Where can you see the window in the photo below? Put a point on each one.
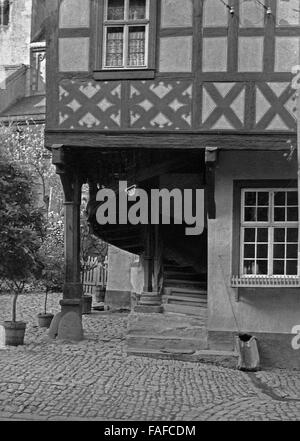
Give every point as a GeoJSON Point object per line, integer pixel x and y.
{"type": "Point", "coordinates": [126, 34]}
{"type": "Point", "coordinates": [269, 232]}
{"type": "Point", "coordinates": [4, 12]}
{"type": "Point", "coordinates": [38, 70]}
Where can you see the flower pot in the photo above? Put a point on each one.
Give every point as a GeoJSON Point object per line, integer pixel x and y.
{"type": "Point", "coordinates": [44, 320]}
{"type": "Point", "coordinates": [87, 304]}
{"type": "Point", "coordinates": [14, 333]}
{"type": "Point", "coordinates": [100, 294]}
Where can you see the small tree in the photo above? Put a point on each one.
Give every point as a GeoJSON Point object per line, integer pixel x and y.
{"type": "Point", "coordinates": [22, 228]}
{"type": "Point", "coordinates": [52, 256]}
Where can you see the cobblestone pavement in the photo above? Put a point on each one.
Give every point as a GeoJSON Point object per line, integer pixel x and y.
{"type": "Point", "coordinates": [93, 379]}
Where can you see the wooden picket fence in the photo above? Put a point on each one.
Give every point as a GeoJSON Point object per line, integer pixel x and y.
{"type": "Point", "coordinates": [94, 274]}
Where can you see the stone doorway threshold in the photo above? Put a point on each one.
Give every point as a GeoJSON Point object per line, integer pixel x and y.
{"type": "Point", "coordinates": [174, 336]}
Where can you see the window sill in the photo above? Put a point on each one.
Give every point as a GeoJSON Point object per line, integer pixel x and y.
{"type": "Point", "coordinates": [265, 282]}
{"type": "Point", "coordinates": [142, 74]}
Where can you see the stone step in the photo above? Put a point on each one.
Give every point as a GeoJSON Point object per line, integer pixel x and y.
{"type": "Point", "coordinates": [165, 343]}
{"type": "Point", "coordinates": [185, 283]}
{"type": "Point", "coordinates": [184, 309]}
{"type": "Point", "coordinates": [185, 291]}
{"type": "Point", "coordinates": [193, 299]}
{"type": "Point", "coordinates": [226, 359]}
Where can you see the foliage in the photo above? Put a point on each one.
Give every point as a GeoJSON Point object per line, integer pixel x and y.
{"type": "Point", "coordinates": [90, 245]}
{"type": "Point", "coordinates": [25, 144]}
{"type": "Point", "coordinates": [22, 227]}
{"type": "Point", "coordinates": [52, 257]}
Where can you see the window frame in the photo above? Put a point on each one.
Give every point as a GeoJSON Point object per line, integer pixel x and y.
{"type": "Point", "coordinates": [132, 72]}
{"type": "Point", "coordinates": [236, 256]}
{"type": "Point", "coordinates": [125, 23]}
{"type": "Point", "coordinates": [271, 225]}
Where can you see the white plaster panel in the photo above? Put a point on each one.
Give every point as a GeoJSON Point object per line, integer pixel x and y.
{"type": "Point", "coordinates": [74, 54]}
{"type": "Point", "coordinates": [287, 50]}
{"type": "Point", "coordinates": [176, 54]}
{"type": "Point", "coordinates": [74, 14]}
{"type": "Point", "coordinates": [251, 54]}
{"type": "Point", "coordinates": [176, 13]}
{"type": "Point", "coordinates": [215, 54]}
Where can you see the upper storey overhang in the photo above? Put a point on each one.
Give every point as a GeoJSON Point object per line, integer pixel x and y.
{"type": "Point", "coordinates": [182, 68]}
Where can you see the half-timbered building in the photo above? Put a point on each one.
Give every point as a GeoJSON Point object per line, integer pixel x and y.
{"type": "Point", "coordinates": [184, 94]}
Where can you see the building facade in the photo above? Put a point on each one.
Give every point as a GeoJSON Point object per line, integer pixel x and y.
{"type": "Point", "coordinates": [177, 95]}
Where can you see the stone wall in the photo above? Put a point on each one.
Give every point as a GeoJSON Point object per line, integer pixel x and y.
{"type": "Point", "coordinates": [15, 38]}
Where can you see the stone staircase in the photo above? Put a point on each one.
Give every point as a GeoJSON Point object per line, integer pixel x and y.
{"type": "Point", "coordinates": [173, 336]}
{"type": "Point", "coordinates": [184, 289]}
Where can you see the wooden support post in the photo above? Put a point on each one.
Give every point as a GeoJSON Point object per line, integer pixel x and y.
{"type": "Point", "coordinates": [150, 301]}
{"type": "Point", "coordinates": [211, 154]}
{"type": "Point", "coordinates": [148, 259]}
{"type": "Point", "coordinates": [69, 323]}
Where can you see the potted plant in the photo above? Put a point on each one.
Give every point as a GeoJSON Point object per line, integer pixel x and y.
{"type": "Point", "coordinates": [45, 318]}
{"type": "Point", "coordinates": [22, 229]}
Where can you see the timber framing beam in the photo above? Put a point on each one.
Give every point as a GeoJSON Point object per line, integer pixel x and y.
{"type": "Point", "coordinates": [170, 140]}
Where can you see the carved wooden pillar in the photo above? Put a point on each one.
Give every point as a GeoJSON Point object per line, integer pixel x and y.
{"type": "Point", "coordinates": [69, 326]}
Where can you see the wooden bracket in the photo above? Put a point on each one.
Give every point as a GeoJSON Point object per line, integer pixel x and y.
{"type": "Point", "coordinates": [211, 156]}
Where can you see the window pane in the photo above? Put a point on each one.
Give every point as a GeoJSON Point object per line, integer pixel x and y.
{"type": "Point", "coordinates": [278, 267]}
{"type": "Point", "coordinates": [292, 235]}
{"type": "Point", "coordinates": [292, 251]}
{"type": "Point", "coordinates": [249, 267]}
{"type": "Point", "coordinates": [215, 13]}
{"type": "Point", "coordinates": [288, 12]}
{"type": "Point", "coordinates": [279, 251]}
{"type": "Point", "coordinates": [292, 214]}
{"type": "Point", "coordinates": [262, 235]}
{"type": "Point", "coordinates": [262, 267]}
{"type": "Point", "coordinates": [279, 235]}
{"type": "Point", "coordinates": [136, 50]}
{"type": "Point", "coordinates": [250, 197]}
{"type": "Point", "coordinates": [249, 251]}
{"type": "Point", "coordinates": [279, 198]}
{"type": "Point", "coordinates": [279, 214]}
{"type": "Point", "coordinates": [262, 214]}
{"type": "Point", "coordinates": [114, 47]}
{"type": "Point", "coordinates": [250, 214]}
{"type": "Point", "coordinates": [115, 10]}
{"type": "Point", "coordinates": [292, 198]}
{"type": "Point", "coordinates": [263, 198]}
{"type": "Point", "coordinates": [137, 9]}
{"type": "Point", "coordinates": [262, 251]}
{"type": "Point", "coordinates": [249, 235]}
{"type": "Point", "coordinates": [251, 14]}
{"type": "Point", "coordinates": [291, 267]}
